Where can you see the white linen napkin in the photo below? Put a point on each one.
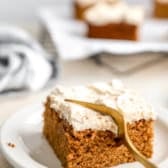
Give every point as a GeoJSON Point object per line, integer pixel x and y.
{"type": "Point", "coordinates": [23, 62]}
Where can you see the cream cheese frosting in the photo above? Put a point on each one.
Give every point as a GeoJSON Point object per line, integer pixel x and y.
{"type": "Point", "coordinates": [112, 94]}
{"type": "Point", "coordinates": [104, 13]}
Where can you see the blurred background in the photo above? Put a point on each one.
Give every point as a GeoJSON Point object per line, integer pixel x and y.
{"type": "Point", "coordinates": [23, 11]}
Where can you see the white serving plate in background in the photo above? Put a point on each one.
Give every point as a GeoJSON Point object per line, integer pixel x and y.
{"type": "Point", "coordinates": [24, 129]}
{"type": "Point", "coordinates": [69, 38]}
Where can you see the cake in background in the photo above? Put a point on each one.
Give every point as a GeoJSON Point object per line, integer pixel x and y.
{"type": "Point", "coordinates": [161, 8]}
{"type": "Point", "coordinates": [83, 138]}
{"type": "Point", "coordinates": [80, 6]}
{"type": "Point", "coordinates": [114, 21]}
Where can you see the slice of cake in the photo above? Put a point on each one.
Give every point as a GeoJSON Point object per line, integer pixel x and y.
{"type": "Point", "coordinates": [80, 6]}
{"type": "Point", "coordinates": [114, 21]}
{"type": "Point", "coordinates": [161, 8]}
{"type": "Point", "coordinates": [82, 138]}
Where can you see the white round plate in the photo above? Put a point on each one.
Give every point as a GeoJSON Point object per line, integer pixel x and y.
{"type": "Point", "coordinates": [24, 130]}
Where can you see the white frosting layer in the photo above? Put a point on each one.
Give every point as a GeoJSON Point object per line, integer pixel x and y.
{"type": "Point", "coordinates": [112, 94]}
{"type": "Point", "coordinates": [103, 13]}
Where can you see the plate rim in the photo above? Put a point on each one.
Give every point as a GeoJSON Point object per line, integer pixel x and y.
{"type": "Point", "coordinates": [5, 126]}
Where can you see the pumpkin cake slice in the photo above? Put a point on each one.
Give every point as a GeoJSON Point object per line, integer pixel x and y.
{"type": "Point", "coordinates": [82, 138]}
{"type": "Point", "coordinates": [114, 21]}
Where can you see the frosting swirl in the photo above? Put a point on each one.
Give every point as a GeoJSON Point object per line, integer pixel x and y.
{"type": "Point", "coordinates": [112, 94]}
{"type": "Point", "coordinates": [105, 13]}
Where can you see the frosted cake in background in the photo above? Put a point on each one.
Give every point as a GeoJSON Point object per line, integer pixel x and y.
{"type": "Point", "coordinates": [117, 21]}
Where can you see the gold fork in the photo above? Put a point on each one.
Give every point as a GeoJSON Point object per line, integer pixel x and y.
{"type": "Point", "coordinates": [122, 129]}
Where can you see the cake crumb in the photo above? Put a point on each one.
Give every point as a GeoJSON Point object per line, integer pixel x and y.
{"type": "Point", "coordinates": [11, 145]}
